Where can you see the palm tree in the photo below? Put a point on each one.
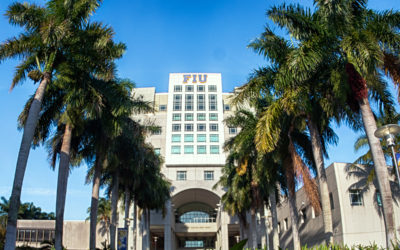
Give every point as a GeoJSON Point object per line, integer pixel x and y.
{"type": "Point", "coordinates": [103, 217]}
{"type": "Point", "coordinates": [113, 122]}
{"type": "Point", "coordinates": [45, 44]}
{"type": "Point", "coordinates": [362, 41]}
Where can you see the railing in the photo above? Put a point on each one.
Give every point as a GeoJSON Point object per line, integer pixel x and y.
{"type": "Point", "coordinates": [197, 220]}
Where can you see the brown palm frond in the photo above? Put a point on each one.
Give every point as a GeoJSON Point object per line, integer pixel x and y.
{"type": "Point", "coordinates": [391, 66]}
{"type": "Point", "coordinates": [303, 175]}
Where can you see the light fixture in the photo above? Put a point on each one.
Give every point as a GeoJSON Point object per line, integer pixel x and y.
{"type": "Point", "coordinates": [388, 133]}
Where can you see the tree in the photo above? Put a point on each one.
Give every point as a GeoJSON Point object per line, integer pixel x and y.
{"type": "Point", "coordinates": [103, 217]}
{"type": "Point", "coordinates": [44, 46]}
{"type": "Point", "coordinates": [280, 131]}
{"type": "Point", "coordinates": [113, 121]}
{"type": "Point", "coordinates": [363, 42]}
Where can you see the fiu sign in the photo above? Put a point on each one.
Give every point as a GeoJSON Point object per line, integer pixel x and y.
{"type": "Point", "coordinates": [195, 78]}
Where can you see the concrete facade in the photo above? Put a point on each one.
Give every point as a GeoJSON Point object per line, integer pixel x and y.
{"type": "Point", "coordinates": [76, 233]}
{"type": "Point", "coordinates": [356, 213]}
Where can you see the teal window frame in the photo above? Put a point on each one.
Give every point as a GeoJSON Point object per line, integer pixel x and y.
{"type": "Point", "coordinates": [176, 117]}
{"type": "Point", "coordinates": [176, 150]}
{"type": "Point", "coordinates": [214, 149]}
{"type": "Point", "coordinates": [188, 138]}
{"type": "Point", "coordinates": [176, 138]}
{"type": "Point", "coordinates": [214, 138]}
{"type": "Point", "coordinates": [201, 116]}
{"type": "Point", "coordinates": [188, 149]}
{"type": "Point", "coordinates": [201, 136]}
{"type": "Point", "coordinates": [213, 117]}
{"type": "Point", "coordinates": [201, 149]}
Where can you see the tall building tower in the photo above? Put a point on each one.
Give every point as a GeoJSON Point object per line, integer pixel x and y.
{"type": "Point", "coordinates": [190, 138]}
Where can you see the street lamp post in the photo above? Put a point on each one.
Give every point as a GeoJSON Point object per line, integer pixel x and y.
{"type": "Point", "coordinates": [388, 132]}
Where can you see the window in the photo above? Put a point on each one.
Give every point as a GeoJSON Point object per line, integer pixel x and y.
{"type": "Point", "coordinates": [157, 151]}
{"type": "Point", "coordinates": [232, 131]}
{"type": "Point", "coordinates": [331, 200]}
{"type": "Point", "coordinates": [201, 149]}
{"type": "Point", "coordinates": [378, 198]}
{"type": "Point", "coordinates": [200, 88]}
{"type": "Point", "coordinates": [178, 88]}
{"type": "Point", "coordinates": [188, 138]}
{"type": "Point", "coordinates": [181, 175]}
{"type": "Point", "coordinates": [189, 102]}
{"type": "Point", "coordinates": [176, 138]}
{"type": "Point", "coordinates": [214, 138]}
{"type": "Point", "coordinates": [213, 117]}
{"type": "Point", "coordinates": [212, 88]}
{"type": "Point", "coordinates": [189, 117]}
{"type": "Point", "coordinates": [214, 149]}
{"type": "Point", "coordinates": [201, 127]}
{"type": "Point", "coordinates": [201, 138]}
{"type": "Point", "coordinates": [201, 102]}
{"type": "Point", "coordinates": [176, 117]}
{"type": "Point", "coordinates": [156, 131]}
{"type": "Point", "coordinates": [175, 149]}
{"type": "Point", "coordinates": [188, 149]}
{"type": "Point", "coordinates": [189, 127]}
{"type": "Point", "coordinates": [213, 127]}
{"type": "Point", "coordinates": [162, 107]}
{"type": "Point", "coordinates": [176, 127]}
{"type": "Point", "coordinates": [35, 235]}
{"type": "Point", "coordinates": [303, 215]}
{"type": "Point", "coordinates": [212, 102]}
{"type": "Point", "coordinates": [355, 197]}
{"type": "Point", "coordinates": [208, 175]}
{"type": "Point", "coordinates": [201, 117]}
{"type": "Point", "coordinates": [227, 107]}
{"type": "Point", "coordinates": [189, 88]}
{"type": "Point", "coordinates": [285, 224]}
{"type": "Point", "coordinates": [177, 102]}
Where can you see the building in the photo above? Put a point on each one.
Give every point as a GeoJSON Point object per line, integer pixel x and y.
{"type": "Point", "coordinates": [356, 210]}
{"type": "Point", "coordinates": [190, 138]}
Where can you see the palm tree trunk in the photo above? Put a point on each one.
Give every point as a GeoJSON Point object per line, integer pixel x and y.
{"type": "Point", "coordinates": [134, 225]}
{"type": "Point", "coordinates": [95, 200]}
{"type": "Point", "coordinates": [114, 208]}
{"type": "Point", "coordinates": [23, 154]}
{"type": "Point", "coordinates": [146, 231]}
{"type": "Point", "coordinates": [381, 170]}
{"type": "Point", "coordinates": [127, 206]}
{"type": "Point", "coordinates": [274, 214]}
{"type": "Point", "coordinates": [294, 218]}
{"type": "Point", "coordinates": [63, 171]}
{"type": "Point", "coordinates": [253, 227]}
{"type": "Point", "coordinates": [264, 229]}
{"type": "Point", "coordinates": [322, 182]}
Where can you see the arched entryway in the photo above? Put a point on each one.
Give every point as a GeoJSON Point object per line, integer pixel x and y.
{"type": "Point", "coordinates": [195, 212]}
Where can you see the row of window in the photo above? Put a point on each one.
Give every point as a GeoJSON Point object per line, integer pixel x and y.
{"type": "Point", "coordinates": [200, 105]}
{"type": "Point", "coordinates": [34, 235]}
{"type": "Point", "coordinates": [356, 199]}
{"type": "Point", "coordinates": [200, 138]}
{"type": "Point", "coordinates": [200, 127]}
{"type": "Point", "coordinates": [189, 127]}
{"type": "Point", "coordinates": [190, 117]}
{"type": "Point", "coordinates": [200, 88]}
{"type": "Point", "coordinates": [181, 175]}
{"type": "Point", "coordinates": [189, 149]}
{"type": "Point", "coordinates": [189, 102]}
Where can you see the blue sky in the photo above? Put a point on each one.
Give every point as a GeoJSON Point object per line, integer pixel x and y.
{"type": "Point", "coordinates": [162, 37]}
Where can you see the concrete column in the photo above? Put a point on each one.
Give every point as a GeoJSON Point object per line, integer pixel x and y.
{"type": "Point", "coordinates": [224, 231]}
{"type": "Point", "coordinates": [167, 227]}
